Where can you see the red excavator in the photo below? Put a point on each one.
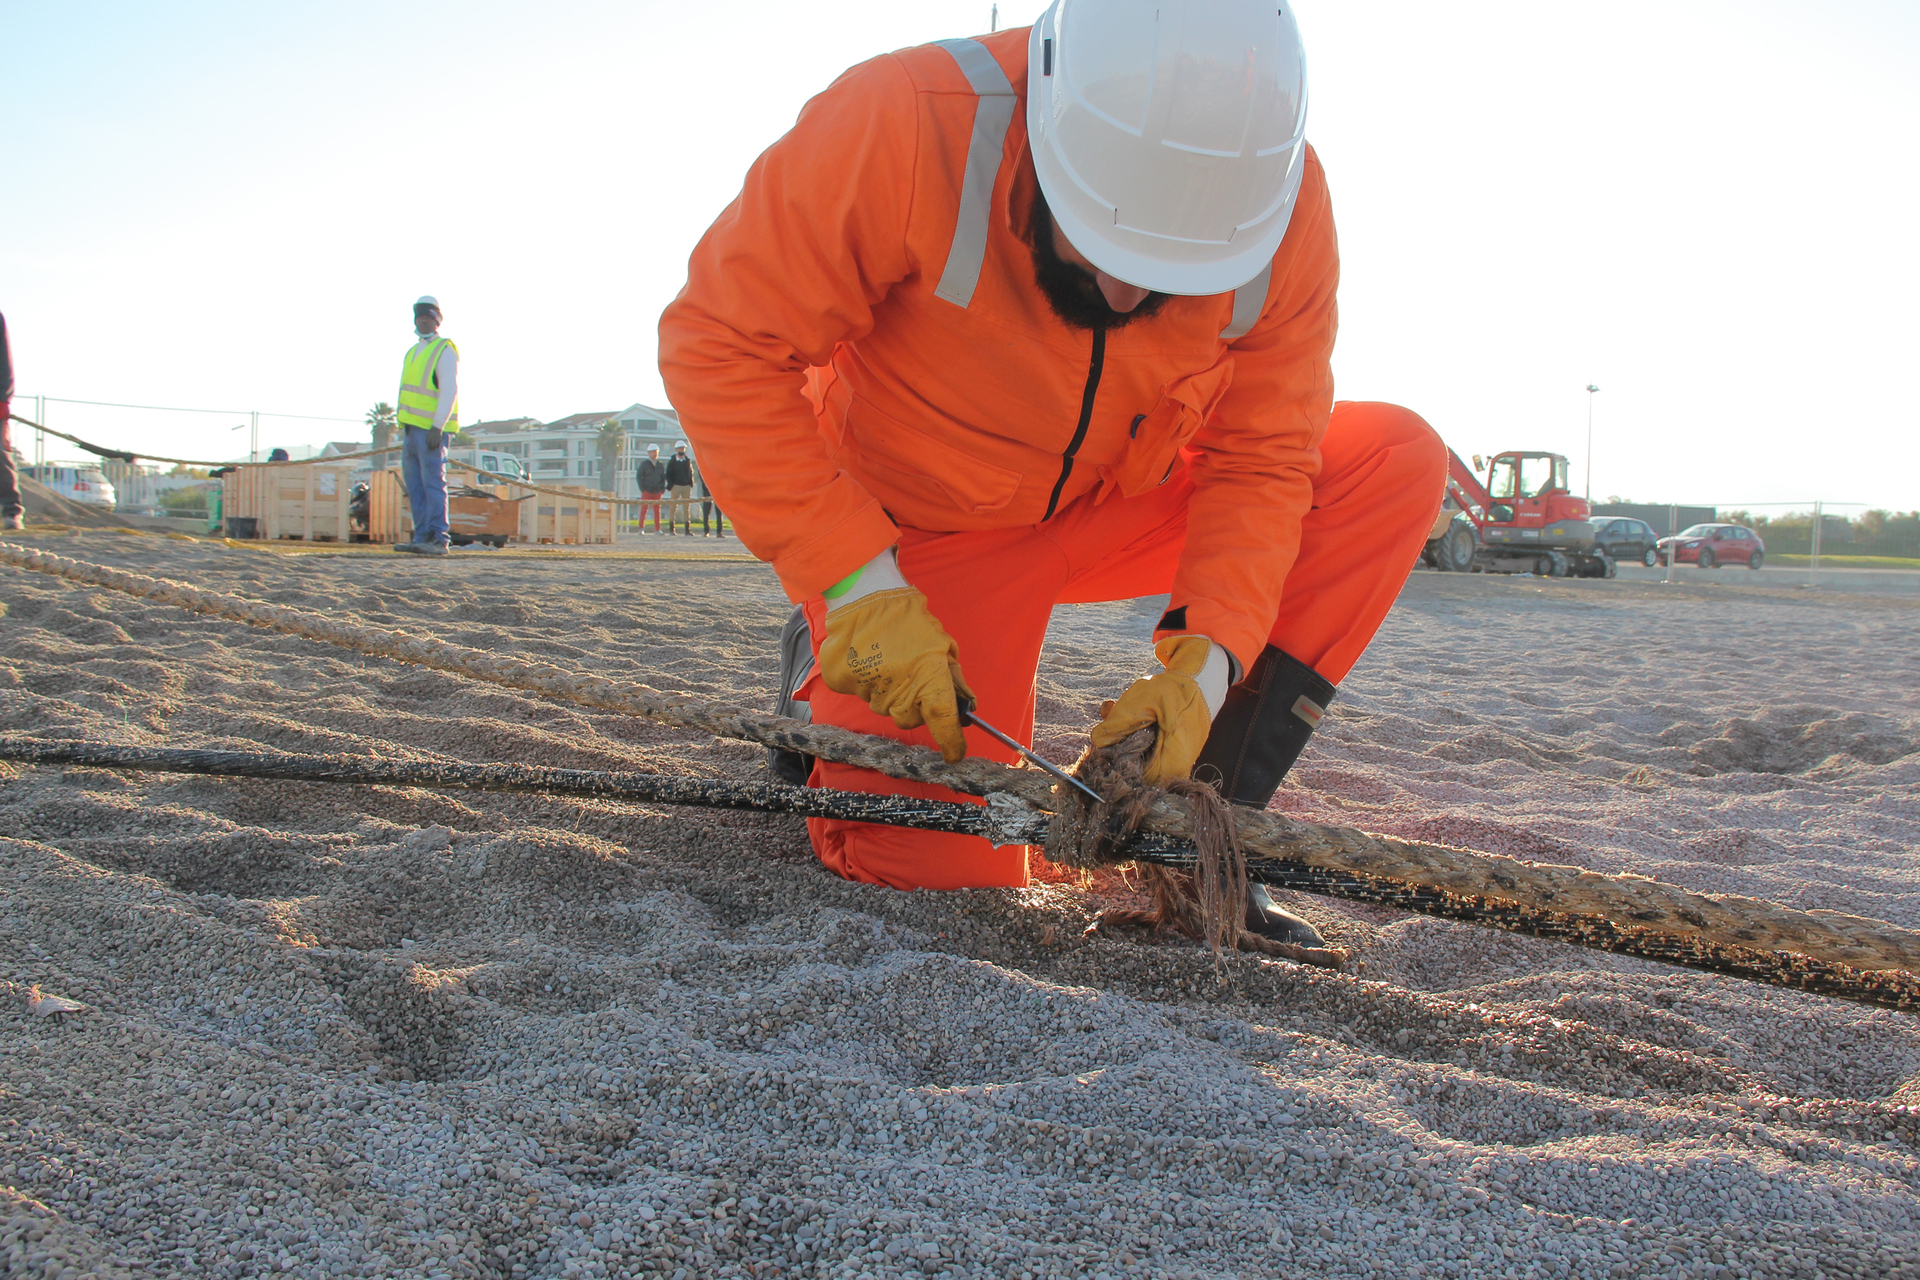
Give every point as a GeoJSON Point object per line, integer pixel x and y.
{"type": "Point", "coordinates": [1524, 519]}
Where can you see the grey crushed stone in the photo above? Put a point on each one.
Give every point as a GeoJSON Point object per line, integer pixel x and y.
{"type": "Point", "coordinates": [377, 1032]}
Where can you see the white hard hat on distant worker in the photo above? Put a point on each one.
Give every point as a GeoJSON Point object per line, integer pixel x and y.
{"type": "Point", "coordinates": [427, 300]}
{"type": "Point", "coordinates": [1169, 136]}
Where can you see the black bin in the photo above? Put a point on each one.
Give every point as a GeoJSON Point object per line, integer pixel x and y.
{"type": "Point", "coordinates": [243, 527]}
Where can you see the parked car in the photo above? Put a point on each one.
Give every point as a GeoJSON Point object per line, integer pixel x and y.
{"type": "Point", "coordinates": [1629, 541]}
{"type": "Point", "coordinates": [88, 486]}
{"type": "Point", "coordinates": [1712, 545]}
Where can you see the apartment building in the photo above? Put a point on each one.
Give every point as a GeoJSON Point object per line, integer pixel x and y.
{"type": "Point", "coordinates": [569, 450]}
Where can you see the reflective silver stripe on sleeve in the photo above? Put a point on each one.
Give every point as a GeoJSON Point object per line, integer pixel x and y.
{"type": "Point", "coordinates": [992, 117]}
{"type": "Point", "coordinates": [1249, 300]}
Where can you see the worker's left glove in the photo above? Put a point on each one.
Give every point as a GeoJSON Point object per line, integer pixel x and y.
{"type": "Point", "coordinates": [885, 646]}
{"type": "Point", "coordinates": [1181, 700]}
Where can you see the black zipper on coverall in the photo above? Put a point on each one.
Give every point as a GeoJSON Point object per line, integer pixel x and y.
{"type": "Point", "coordinates": [1086, 416]}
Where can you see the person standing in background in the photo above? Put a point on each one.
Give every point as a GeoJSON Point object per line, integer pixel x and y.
{"type": "Point", "coordinates": [651, 475]}
{"type": "Point", "coordinates": [680, 489]}
{"type": "Point", "coordinates": [11, 512]}
{"type": "Point", "coordinates": [429, 412]}
{"type": "Point", "coordinates": [708, 507]}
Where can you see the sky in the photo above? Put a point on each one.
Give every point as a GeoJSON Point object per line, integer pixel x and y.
{"type": "Point", "coordinates": [1704, 208]}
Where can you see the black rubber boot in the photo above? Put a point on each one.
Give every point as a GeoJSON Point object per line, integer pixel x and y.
{"type": "Point", "coordinates": [796, 663]}
{"type": "Point", "coordinates": [1261, 730]}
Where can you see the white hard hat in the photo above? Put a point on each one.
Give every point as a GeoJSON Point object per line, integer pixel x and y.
{"type": "Point", "coordinates": [679, 444]}
{"type": "Point", "coordinates": [427, 300]}
{"type": "Point", "coordinates": [1169, 136]}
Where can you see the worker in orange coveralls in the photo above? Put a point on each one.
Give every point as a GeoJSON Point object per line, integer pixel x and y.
{"type": "Point", "coordinates": [1039, 318]}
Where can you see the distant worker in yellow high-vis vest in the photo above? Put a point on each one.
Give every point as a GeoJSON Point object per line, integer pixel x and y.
{"type": "Point", "coordinates": [429, 412]}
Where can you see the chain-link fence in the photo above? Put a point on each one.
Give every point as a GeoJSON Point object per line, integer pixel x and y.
{"type": "Point", "coordinates": [1809, 528]}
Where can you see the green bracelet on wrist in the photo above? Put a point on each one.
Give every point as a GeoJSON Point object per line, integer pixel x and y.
{"type": "Point", "coordinates": [845, 584]}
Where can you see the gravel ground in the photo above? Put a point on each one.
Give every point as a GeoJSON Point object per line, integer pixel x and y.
{"type": "Point", "coordinates": [384, 1032]}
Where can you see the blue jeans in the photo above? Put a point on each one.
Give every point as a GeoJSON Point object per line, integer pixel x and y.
{"type": "Point", "coordinates": [425, 472]}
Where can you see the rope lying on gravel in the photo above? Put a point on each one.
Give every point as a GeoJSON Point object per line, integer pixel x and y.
{"type": "Point", "coordinates": [639, 788]}
{"type": "Point", "coordinates": [1004, 821]}
{"type": "Point", "coordinates": [1821, 950]}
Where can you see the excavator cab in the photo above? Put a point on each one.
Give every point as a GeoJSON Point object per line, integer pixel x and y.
{"type": "Point", "coordinates": [1530, 490]}
{"type": "Point", "coordinates": [1525, 518]}
{"type": "Point", "coordinates": [1525, 478]}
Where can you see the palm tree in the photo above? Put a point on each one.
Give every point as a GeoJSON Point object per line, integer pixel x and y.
{"type": "Point", "coordinates": [611, 434]}
{"type": "Point", "coordinates": [380, 418]}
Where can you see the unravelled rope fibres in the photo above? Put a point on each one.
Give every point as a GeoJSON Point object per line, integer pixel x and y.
{"type": "Point", "coordinates": [1207, 901]}
{"type": "Point", "coordinates": [1815, 950]}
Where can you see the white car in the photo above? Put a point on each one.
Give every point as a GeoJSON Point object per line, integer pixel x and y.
{"type": "Point", "coordinates": [85, 485]}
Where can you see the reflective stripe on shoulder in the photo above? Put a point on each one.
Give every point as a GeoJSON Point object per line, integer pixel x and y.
{"type": "Point", "coordinates": [1249, 300]}
{"type": "Point", "coordinates": [992, 117]}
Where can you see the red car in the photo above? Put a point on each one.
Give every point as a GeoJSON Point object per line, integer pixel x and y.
{"type": "Point", "coordinates": [1712, 545]}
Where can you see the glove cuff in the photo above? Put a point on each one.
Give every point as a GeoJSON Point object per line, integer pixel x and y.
{"type": "Point", "coordinates": [882, 573]}
{"type": "Point", "coordinates": [1209, 665]}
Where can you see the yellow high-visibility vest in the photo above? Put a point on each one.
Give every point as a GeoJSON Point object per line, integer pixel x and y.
{"type": "Point", "coordinates": [419, 393]}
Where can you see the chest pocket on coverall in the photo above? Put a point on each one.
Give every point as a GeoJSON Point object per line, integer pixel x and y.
{"type": "Point", "coordinates": [1158, 436]}
{"type": "Point", "coordinates": [901, 462]}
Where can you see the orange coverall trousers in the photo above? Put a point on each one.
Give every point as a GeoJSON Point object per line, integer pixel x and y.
{"type": "Point", "coordinates": [1379, 489]}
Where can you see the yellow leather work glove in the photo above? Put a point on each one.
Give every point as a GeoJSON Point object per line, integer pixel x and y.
{"type": "Point", "coordinates": [1172, 699]}
{"type": "Point", "coordinates": [888, 648]}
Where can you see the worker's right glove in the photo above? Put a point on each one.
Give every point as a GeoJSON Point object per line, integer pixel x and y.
{"type": "Point", "coordinates": [1181, 700]}
{"type": "Point", "coordinates": [886, 646]}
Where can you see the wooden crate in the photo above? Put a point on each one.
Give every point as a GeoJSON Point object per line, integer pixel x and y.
{"type": "Point", "coordinates": [307, 500]}
{"type": "Point", "coordinates": [485, 513]}
{"type": "Point", "coordinates": [542, 518]}
{"type": "Point", "coordinates": [388, 517]}
{"type": "Point", "coordinates": [585, 520]}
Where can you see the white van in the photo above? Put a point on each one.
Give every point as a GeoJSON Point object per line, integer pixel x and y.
{"type": "Point", "coordinates": [501, 464]}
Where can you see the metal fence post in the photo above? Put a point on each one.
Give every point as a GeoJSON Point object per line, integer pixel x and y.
{"type": "Point", "coordinates": [1819, 519]}
{"type": "Point", "coordinates": [1673, 531]}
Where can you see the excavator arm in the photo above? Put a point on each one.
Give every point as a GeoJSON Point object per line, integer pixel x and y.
{"type": "Point", "coordinates": [1467, 490]}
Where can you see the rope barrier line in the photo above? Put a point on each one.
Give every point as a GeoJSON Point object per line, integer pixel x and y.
{"type": "Point", "coordinates": [1003, 820]}
{"type": "Point", "coordinates": [124, 455]}
{"type": "Point", "coordinates": [1641, 916]}
{"type": "Point", "coordinates": [175, 408]}
{"type": "Point", "coordinates": [127, 456]}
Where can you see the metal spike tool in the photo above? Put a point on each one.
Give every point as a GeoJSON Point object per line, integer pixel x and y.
{"type": "Point", "coordinates": [967, 717]}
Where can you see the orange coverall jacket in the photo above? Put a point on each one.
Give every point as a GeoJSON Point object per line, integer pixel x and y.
{"type": "Point", "coordinates": [832, 393]}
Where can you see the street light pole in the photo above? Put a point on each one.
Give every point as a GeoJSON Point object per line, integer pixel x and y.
{"type": "Point", "coordinates": [1590, 390]}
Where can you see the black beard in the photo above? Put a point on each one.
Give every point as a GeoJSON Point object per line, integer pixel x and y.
{"type": "Point", "coordinates": [1072, 292]}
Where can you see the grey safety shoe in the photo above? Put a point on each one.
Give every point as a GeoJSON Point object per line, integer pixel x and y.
{"type": "Point", "coordinates": [796, 664]}
{"type": "Point", "coordinates": [12, 522]}
{"type": "Point", "coordinates": [430, 549]}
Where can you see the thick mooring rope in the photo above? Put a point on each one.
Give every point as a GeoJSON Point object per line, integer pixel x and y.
{"type": "Point", "coordinates": [1004, 821]}
{"type": "Point", "coordinates": [1625, 913]}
